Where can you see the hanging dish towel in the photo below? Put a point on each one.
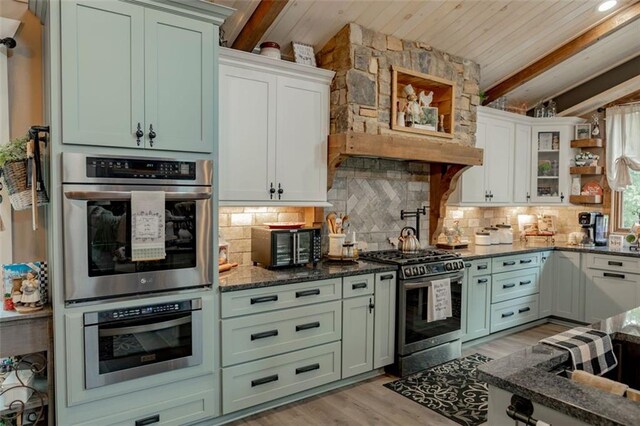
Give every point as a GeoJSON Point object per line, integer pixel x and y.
{"type": "Point", "coordinates": [439, 306]}
{"type": "Point", "coordinates": [590, 350]}
{"type": "Point", "coordinates": [147, 225]}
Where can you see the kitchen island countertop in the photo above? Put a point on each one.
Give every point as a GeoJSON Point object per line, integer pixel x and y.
{"type": "Point", "coordinates": [247, 277]}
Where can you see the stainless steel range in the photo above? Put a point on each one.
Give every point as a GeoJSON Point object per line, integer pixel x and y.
{"type": "Point", "coordinates": [421, 341]}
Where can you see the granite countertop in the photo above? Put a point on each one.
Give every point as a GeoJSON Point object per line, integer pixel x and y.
{"type": "Point", "coordinates": [529, 373]}
{"type": "Point", "coordinates": [480, 252]}
{"type": "Point", "coordinates": [246, 277]}
{"type": "Point", "coordinates": [7, 316]}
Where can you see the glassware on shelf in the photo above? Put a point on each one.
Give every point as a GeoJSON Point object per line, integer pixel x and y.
{"type": "Point", "coordinates": [538, 111]}
{"type": "Point", "coordinates": [550, 111]}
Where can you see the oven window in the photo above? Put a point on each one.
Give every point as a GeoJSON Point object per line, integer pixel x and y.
{"type": "Point", "coordinates": [417, 326]}
{"type": "Point", "coordinates": [130, 344]}
{"type": "Point", "coordinates": [109, 238]}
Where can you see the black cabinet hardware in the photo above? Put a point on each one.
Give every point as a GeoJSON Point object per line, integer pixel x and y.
{"type": "Point", "coordinates": [610, 275]}
{"type": "Point", "coordinates": [308, 326]}
{"type": "Point", "coordinates": [148, 420]}
{"type": "Point", "coordinates": [357, 286]}
{"type": "Point", "coordinates": [371, 305]}
{"type": "Point", "coordinates": [508, 285]}
{"type": "Point", "coordinates": [521, 310]}
{"type": "Point", "coordinates": [308, 368]}
{"type": "Point", "coordinates": [561, 196]}
{"type": "Point", "coordinates": [272, 191]}
{"type": "Point", "coordinates": [483, 280]}
{"type": "Point", "coordinates": [525, 282]}
{"type": "Point", "coordinates": [280, 191]}
{"type": "Point", "coordinates": [264, 334]}
{"type": "Point", "coordinates": [481, 267]}
{"type": "Point", "coordinates": [386, 277]}
{"type": "Point", "coordinates": [612, 263]}
{"type": "Point", "coordinates": [526, 261]}
{"type": "Point", "coordinates": [467, 265]}
{"type": "Point", "coordinates": [152, 134]}
{"type": "Point", "coordinates": [139, 134]}
{"type": "Point", "coordinates": [264, 380]}
{"type": "Point", "coordinates": [264, 299]}
{"type": "Point", "coordinates": [510, 263]}
{"type": "Point", "coordinates": [508, 314]}
{"type": "Point", "coordinates": [304, 293]}
{"type": "Point", "coordinates": [528, 197]}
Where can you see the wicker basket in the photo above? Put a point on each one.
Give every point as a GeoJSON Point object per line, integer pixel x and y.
{"type": "Point", "coordinates": [15, 177]}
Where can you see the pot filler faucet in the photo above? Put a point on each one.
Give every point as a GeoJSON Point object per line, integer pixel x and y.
{"type": "Point", "coordinates": [422, 211]}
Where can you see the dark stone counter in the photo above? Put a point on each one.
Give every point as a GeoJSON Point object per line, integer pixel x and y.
{"type": "Point", "coordinates": [480, 252]}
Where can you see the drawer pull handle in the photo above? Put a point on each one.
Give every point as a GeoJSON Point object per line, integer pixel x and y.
{"type": "Point", "coordinates": [525, 282]}
{"type": "Point", "coordinates": [308, 326]}
{"type": "Point", "coordinates": [610, 275]}
{"type": "Point", "coordinates": [612, 263]}
{"type": "Point", "coordinates": [358, 286]}
{"type": "Point", "coordinates": [308, 368]}
{"type": "Point", "coordinates": [483, 280]}
{"type": "Point", "coordinates": [386, 277]}
{"type": "Point", "coordinates": [148, 420]}
{"type": "Point", "coordinates": [510, 263]}
{"type": "Point", "coordinates": [467, 265]}
{"type": "Point", "coordinates": [521, 310]}
{"type": "Point", "coordinates": [303, 293]}
{"type": "Point", "coordinates": [264, 380]}
{"type": "Point", "coordinates": [264, 334]}
{"type": "Point", "coordinates": [481, 267]}
{"type": "Point", "coordinates": [508, 285]}
{"type": "Point", "coordinates": [264, 299]}
{"type": "Point", "coordinates": [508, 314]}
{"type": "Point", "coordinates": [526, 261]}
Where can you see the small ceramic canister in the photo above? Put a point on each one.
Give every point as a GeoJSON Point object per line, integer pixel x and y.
{"type": "Point", "coordinates": [270, 49]}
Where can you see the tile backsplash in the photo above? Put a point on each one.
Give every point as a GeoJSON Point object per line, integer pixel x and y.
{"type": "Point", "coordinates": [236, 222]}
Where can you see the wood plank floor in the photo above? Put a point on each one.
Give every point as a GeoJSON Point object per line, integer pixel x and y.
{"type": "Point", "coordinates": [370, 403]}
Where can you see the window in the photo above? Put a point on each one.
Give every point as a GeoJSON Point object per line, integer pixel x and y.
{"type": "Point", "coordinates": [628, 203]}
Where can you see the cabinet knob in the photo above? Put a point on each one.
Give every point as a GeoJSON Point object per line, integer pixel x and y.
{"type": "Point", "coordinates": [561, 196]}
{"type": "Point", "coordinates": [139, 134]}
{"type": "Point", "coordinates": [528, 197]}
{"type": "Point", "coordinates": [152, 134]}
{"type": "Point", "coordinates": [272, 191]}
{"type": "Point", "coordinates": [280, 191]}
{"type": "Point", "coordinates": [371, 306]}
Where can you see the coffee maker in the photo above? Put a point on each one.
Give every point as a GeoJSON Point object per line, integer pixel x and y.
{"type": "Point", "coordinates": [594, 228]}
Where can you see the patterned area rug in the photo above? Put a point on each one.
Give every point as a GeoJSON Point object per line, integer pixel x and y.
{"type": "Point", "coordinates": [450, 389]}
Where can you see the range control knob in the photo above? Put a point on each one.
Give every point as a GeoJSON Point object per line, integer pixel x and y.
{"type": "Point", "coordinates": [414, 271]}
{"type": "Point", "coordinates": [460, 264]}
{"type": "Point", "coordinates": [422, 271]}
{"type": "Point", "coordinates": [448, 266]}
{"type": "Point", "coordinates": [407, 272]}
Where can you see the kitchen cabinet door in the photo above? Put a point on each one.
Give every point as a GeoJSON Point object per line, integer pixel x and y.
{"type": "Point", "coordinates": [473, 190]}
{"type": "Point", "coordinates": [247, 133]}
{"type": "Point", "coordinates": [499, 161]}
{"type": "Point", "coordinates": [384, 327]}
{"type": "Point", "coordinates": [301, 148]}
{"type": "Point", "coordinates": [102, 73]}
{"type": "Point", "coordinates": [179, 82]}
{"type": "Point", "coordinates": [522, 164]}
{"type": "Point", "coordinates": [547, 283]}
{"type": "Point", "coordinates": [568, 287]}
{"type": "Point", "coordinates": [357, 335]}
{"type": "Point", "coordinates": [550, 154]}
{"type": "Point", "coordinates": [478, 307]}
{"type": "Point", "coordinates": [610, 293]}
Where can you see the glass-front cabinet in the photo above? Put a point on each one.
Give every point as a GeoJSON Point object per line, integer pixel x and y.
{"type": "Point", "coordinates": [550, 157]}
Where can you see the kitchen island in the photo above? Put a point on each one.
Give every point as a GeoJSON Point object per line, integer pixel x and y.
{"type": "Point", "coordinates": [536, 373]}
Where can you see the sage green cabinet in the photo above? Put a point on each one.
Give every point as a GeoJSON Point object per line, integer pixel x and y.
{"type": "Point", "coordinates": [609, 293]}
{"type": "Point", "coordinates": [476, 302]}
{"type": "Point", "coordinates": [568, 301]}
{"type": "Point", "coordinates": [357, 335]}
{"type": "Point", "coordinates": [547, 283]}
{"type": "Point", "coordinates": [384, 330]}
{"type": "Point", "coordinates": [127, 68]}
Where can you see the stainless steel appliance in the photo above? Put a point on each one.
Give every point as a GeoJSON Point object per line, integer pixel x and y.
{"type": "Point", "coordinates": [594, 228]}
{"type": "Point", "coordinates": [421, 343]}
{"type": "Point", "coordinates": [125, 344]}
{"type": "Point", "coordinates": [97, 227]}
{"type": "Point", "coordinates": [274, 248]}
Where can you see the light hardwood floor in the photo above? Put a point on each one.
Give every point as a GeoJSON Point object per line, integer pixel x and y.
{"type": "Point", "coordinates": [370, 403]}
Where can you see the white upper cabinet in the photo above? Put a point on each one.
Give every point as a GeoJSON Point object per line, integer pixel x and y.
{"type": "Point", "coordinates": [136, 77]}
{"type": "Point", "coordinates": [473, 189]}
{"type": "Point", "coordinates": [274, 126]}
{"type": "Point", "coordinates": [522, 164]}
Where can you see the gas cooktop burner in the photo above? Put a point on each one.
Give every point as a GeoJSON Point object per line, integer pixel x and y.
{"type": "Point", "coordinates": [422, 263]}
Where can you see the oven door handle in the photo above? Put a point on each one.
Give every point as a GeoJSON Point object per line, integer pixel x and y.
{"type": "Point", "coordinates": [126, 195]}
{"type": "Point", "coordinates": [144, 328]}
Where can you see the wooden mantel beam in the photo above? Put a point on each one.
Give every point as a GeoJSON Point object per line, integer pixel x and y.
{"type": "Point", "coordinates": [564, 52]}
{"type": "Point", "coordinates": [259, 22]}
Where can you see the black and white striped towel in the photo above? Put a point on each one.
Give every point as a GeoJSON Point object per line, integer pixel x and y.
{"type": "Point", "coordinates": [590, 350]}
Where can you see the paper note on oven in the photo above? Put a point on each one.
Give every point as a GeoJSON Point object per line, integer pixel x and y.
{"type": "Point", "coordinates": [147, 225]}
{"type": "Point", "coordinates": [439, 304]}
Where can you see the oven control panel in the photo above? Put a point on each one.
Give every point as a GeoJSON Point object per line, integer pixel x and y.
{"type": "Point", "coordinates": [136, 312]}
{"type": "Point", "coordinates": [104, 167]}
{"type": "Point", "coordinates": [430, 269]}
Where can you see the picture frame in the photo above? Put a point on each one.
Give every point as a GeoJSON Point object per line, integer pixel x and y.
{"type": "Point", "coordinates": [303, 54]}
{"type": "Point", "coordinates": [583, 131]}
{"type": "Point", "coordinates": [545, 141]}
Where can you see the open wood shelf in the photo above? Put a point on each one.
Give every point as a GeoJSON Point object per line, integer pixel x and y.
{"type": "Point", "coordinates": [587, 170]}
{"type": "Point", "coordinates": [587, 143]}
{"type": "Point", "coordinates": [585, 199]}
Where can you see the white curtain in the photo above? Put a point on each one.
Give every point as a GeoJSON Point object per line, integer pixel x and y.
{"type": "Point", "coordinates": [623, 144]}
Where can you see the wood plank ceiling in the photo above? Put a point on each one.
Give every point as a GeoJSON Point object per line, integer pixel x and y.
{"type": "Point", "coordinates": [503, 36]}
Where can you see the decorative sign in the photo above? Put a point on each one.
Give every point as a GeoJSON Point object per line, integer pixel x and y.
{"type": "Point", "coordinates": [616, 242]}
{"type": "Point", "coordinates": [304, 54]}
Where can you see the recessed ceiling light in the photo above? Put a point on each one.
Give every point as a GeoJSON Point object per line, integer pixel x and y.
{"type": "Point", "coordinates": [606, 5]}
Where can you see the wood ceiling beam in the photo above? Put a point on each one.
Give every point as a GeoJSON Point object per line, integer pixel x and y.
{"type": "Point", "coordinates": [562, 53]}
{"type": "Point", "coordinates": [633, 97]}
{"type": "Point", "coordinates": [259, 22]}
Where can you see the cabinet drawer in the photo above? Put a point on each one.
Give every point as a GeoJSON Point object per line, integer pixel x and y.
{"type": "Point", "coordinates": [256, 382]}
{"type": "Point", "coordinates": [358, 285]}
{"type": "Point", "coordinates": [478, 267]}
{"type": "Point", "coordinates": [613, 263]}
{"type": "Point", "coordinates": [516, 262]}
{"type": "Point", "coordinates": [271, 333]}
{"type": "Point", "coordinates": [257, 300]}
{"type": "Point", "coordinates": [514, 312]}
{"type": "Point", "coordinates": [510, 285]}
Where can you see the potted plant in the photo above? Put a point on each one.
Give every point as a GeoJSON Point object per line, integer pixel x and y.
{"type": "Point", "coordinates": [14, 170]}
{"type": "Point", "coordinates": [15, 150]}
